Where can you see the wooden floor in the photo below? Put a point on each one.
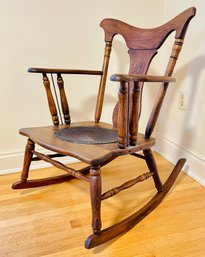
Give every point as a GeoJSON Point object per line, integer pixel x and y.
{"type": "Point", "coordinates": [55, 220]}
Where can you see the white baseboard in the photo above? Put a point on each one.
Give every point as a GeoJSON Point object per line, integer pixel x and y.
{"type": "Point", "coordinates": [12, 161]}
{"type": "Point", "coordinates": [172, 151]}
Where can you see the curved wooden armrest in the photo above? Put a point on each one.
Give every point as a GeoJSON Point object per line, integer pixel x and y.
{"type": "Point", "coordinates": [65, 71]}
{"type": "Point", "coordinates": [141, 78]}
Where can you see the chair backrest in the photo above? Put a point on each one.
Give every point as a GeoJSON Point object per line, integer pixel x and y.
{"type": "Point", "coordinates": [143, 45]}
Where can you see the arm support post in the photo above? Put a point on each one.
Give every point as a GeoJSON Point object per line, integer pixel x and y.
{"type": "Point", "coordinates": [123, 116]}
{"type": "Point", "coordinates": [134, 114]}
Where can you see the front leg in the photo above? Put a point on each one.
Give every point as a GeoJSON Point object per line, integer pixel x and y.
{"type": "Point", "coordinates": [95, 194]}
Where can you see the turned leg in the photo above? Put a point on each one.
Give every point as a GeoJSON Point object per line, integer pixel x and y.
{"type": "Point", "coordinates": [149, 158]}
{"type": "Point", "coordinates": [95, 193]}
{"type": "Point", "coordinates": [27, 160]}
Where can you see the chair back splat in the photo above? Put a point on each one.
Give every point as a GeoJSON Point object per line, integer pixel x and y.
{"type": "Point", "coordinates": [97, 143]}
{"type": "Point", "coordinates": [143, 45]}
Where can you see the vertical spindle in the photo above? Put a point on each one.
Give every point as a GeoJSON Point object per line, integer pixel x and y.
{"type": "Point", "coordinates": [64, 102]}
{"type": "Point", "coordinates": [101, 91]}
{"type": "Point", "coordinates": [51, 101]}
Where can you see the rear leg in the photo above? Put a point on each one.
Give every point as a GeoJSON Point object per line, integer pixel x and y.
{"type": "Point", "coordinates": [149, 158]}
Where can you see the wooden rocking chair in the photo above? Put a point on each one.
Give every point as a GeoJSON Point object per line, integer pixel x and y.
{"type": "Point", "coordinates": [97, 143]}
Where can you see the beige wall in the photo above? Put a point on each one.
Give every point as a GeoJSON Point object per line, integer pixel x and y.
{"type": "Point", "coordinates": [63, 34]}
{"type": "Point", "coordinates": [181, 133]}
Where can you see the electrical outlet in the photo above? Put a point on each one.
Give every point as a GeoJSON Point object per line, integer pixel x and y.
{"type": "Point", "coordinates": [182, 100]}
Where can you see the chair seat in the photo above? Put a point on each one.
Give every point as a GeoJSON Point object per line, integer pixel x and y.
{"type": "Point", "coordinates": [87, 135]}
{"type": "Point", "coordinates": [90, 147]}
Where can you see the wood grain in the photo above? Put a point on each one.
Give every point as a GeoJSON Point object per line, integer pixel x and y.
{"type": "Point", "coordinates": [51, 102]}
{"type": "Point", "coordinates": [123, 115]}
{"type": "Point", "coordinates": [126, 224]}
{"type": "Point", "coordinates": [95, 196]}
{"type": "Point", "coordinates": [147, 38]}
{"type": "Point", "coordinates": [143, 45]}
{"type": "Point", "coordinates": [151, 163]}
{"type": "Point", "coordinates": [91, 154]}
{"type": "Point", "coordinates": [142, 78]}
{"type": "Point", "coordinates": [27, 159]}
{"type": "Point", "coordinates": [125, 185]}
{"type": "Point", "coordinates": [64, 71]}
{"type": "Point", "coordinates": [54, 221]}
{"type": "Point", "coordinates": [134, 114]}
{"type": "Point", "coordinates": [64, 102]}
{"type": "Point", "coordinates": [176, 49]}
{"type": "Point", "coordinates": [101, 91]}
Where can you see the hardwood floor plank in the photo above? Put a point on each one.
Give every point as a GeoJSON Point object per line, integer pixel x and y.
{"type": "Point", "coordinates": [53, 221]}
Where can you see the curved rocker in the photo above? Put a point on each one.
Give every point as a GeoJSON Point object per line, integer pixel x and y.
{"type": "Point", "coordinates": [56, 179]}
{"type": "Point", "coordinates": [47, 181]}
{"type": "Point", "coordinates": [128, 223]}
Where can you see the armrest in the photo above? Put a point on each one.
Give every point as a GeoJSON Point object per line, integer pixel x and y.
{"type": "Point", "coordinates": [65, 71]}
{"type": "Point", "coordinates": [141, 78]}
